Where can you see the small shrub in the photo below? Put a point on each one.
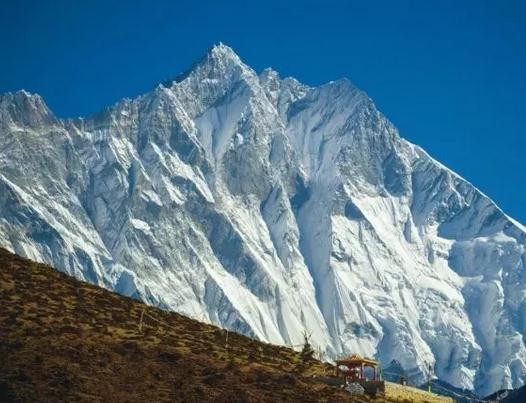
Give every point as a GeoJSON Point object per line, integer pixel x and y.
{"type": "Point", "coordinates": [307, 352]}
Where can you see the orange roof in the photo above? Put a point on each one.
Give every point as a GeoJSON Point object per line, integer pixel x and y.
{"type": "Point", "coordinates": [355, 359]}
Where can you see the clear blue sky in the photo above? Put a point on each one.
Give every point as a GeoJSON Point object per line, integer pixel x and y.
{"type": "Point", "coordinates": [451, 75]}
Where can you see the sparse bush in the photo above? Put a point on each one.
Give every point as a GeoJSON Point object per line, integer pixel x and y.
{"type": "Point", "coordinates": [307, 352]}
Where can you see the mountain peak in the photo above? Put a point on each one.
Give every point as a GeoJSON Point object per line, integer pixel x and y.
{"type": "Point", "coordinates": [218, 59]}
{"type": "Point", "coordinates": [21, 96]}
{"type": "Point", "coordinates": [221, 57]}
{"type": "Point", "coordinates": [222, 51]}
{"type": "Point", "coordinates": [25, 108]}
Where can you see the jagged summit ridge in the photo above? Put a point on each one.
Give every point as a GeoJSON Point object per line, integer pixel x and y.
{"type": "Point", "coordinates": [270, 207]}
{"type": "Point", "coordinates": [218, 58]}
{"type": "Point", "coordinates": [24, 108]}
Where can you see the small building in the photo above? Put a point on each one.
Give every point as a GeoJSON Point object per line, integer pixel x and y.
{"type": "Point", "coordinates": [356, 370]}
{"type": "Point", "coordinates": [353, 368]}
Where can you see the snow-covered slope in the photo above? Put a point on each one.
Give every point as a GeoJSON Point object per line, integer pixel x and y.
{"type": "Point", "coordinates": [269, 207]}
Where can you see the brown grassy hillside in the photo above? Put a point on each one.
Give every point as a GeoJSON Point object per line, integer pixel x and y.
{"type": "Point", "coordinates": [65, 340]}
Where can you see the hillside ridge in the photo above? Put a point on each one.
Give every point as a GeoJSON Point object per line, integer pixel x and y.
{"type": "Point", "coordinates": [65, 340]}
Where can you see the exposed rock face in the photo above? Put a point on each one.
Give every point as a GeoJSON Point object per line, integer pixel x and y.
{"type": "Point", "coordinates": [269, 207]}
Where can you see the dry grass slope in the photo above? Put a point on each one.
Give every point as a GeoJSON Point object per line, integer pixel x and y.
{"type": "Point", "coordinates": [65, 340]}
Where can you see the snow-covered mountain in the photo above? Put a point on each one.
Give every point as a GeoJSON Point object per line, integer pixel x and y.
{"type": "Point", "coordinates": [269, 207]}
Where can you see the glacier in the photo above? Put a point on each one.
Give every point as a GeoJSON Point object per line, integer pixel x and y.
{"type": "Point", "coordinates": [271, 208]}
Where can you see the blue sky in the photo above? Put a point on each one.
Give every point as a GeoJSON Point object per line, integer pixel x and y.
{"type": "Point", "coordinates": [451, 75]}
